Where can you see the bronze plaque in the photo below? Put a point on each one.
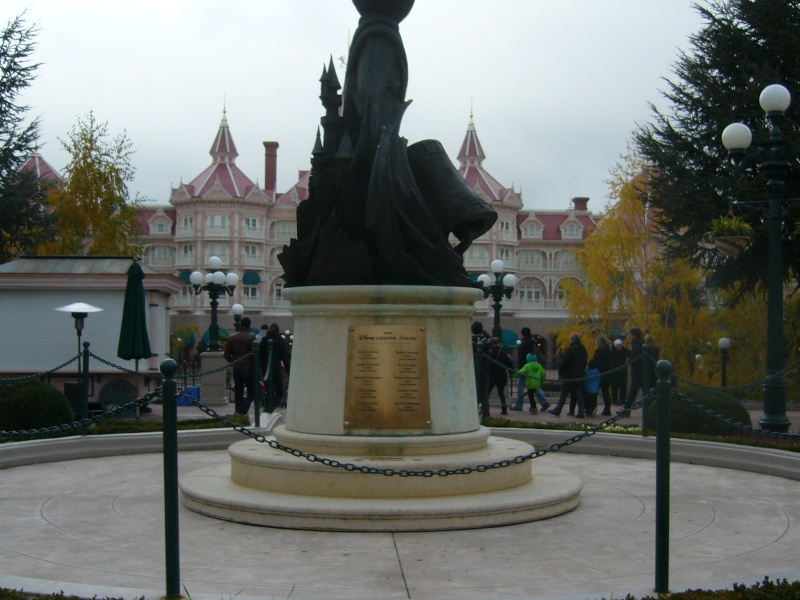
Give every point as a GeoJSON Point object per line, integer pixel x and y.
{"type": "Point", "coordinates": [387, 378]}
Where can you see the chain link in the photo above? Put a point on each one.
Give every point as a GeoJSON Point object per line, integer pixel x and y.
{"type": "Point", "coordinates": [734, 424]}
{"type": "Point", "coordinates": [38, 375]}
{"type": "Point", "coordinates": [512, 371]}
{"type": "Point", "coordinates": [747, 386]}
{"type": "Point", "coordinates": [83, 423]}
{"type": "Point", "coordinates": [329, 462]}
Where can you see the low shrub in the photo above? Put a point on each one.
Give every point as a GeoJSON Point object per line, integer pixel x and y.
{"type": "Point", "coordinates": [687, 419]}
{"type": "Point", "coordinates": [33, 405]}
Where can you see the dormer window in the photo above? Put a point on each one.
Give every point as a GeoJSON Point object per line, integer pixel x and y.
{"type": "Point", "coordinates": [572, 231]}
{"type": "Point", "coordinates": [161, 226]}
{"type": "Point", "coordinates": [532, 231]}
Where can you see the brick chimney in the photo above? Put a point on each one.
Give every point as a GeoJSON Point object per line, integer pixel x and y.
{"type": "Point", "coordinates": [270, 167]}
{"type": "Point", "coordinates": [580, 203]}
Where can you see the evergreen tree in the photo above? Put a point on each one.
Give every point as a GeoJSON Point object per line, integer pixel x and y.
{"type": "Point", "coordinates": [95, 214]}
{"type": "Point", "coordinates": [744, 46]}
{"type": "Point", "coordinates": [24, 221]}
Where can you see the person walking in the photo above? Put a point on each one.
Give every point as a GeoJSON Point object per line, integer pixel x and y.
{"type": "Point", "coordinates": [534, 374]}
{"type": "Point", "coordinates": [524, 348]}
{"type": "Point", "coordinates": [498, 372]}
{"type": "Point", "coordinates": [591, 387]}
{"type": "Point", "coordinates": [602, 360]}
{"type": "Point", "coordinates": [653, 352]}
{"type": "Point", "coordinates": [241, 344]}
{"type": "Point", "coordinates": [637, 368]}
{"type": "Point", "coordinates": [481, 345]}
{"type": "Point", "coordinates": [619, 376]}
{"type": "Point", "coordinates": [280, 361]}
{"type": "Point", "coordinates": [572, 367]}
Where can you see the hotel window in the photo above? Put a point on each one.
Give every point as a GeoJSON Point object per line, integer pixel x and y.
{"type": "Point", "coordinates": [250, 292]}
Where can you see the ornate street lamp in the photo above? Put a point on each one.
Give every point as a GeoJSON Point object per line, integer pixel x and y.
{"type": "Point", "coordinates": [503, 286]}
{"type": "Point", "coordinates": [772, 156]}
{"type": "Point", "coordinates": [215, 284]}
{"type": "Point", "coordinates": [724, 345]}
{"type": "Point", "coordinates": [238, 311]}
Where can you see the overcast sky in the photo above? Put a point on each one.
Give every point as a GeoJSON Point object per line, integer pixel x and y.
{"type": "Point", "coordinates": [556, 87]}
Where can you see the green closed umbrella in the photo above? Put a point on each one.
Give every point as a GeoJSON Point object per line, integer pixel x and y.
{"type": "Point", "coordinates": [133, 340]}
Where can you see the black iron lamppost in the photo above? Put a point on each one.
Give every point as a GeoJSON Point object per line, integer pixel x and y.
{"type": "Point", "coordinates": [724, 345]}
{"type": "Point", "coordinates": [238, 311]}
{"type": "Point", "coordinates": [772, 157]}
{"type": "Point", "coordinates": [503, 286]}
{"type": "Point", "coordinates": [215, 284]}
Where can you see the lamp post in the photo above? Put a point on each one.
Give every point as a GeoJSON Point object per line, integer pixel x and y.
{"type": "Point", "coordinates": [503, 286]}
{"type": "Point", "coordinates": [79, 312]}
{"type": "Point", "coordinates": [772, 157]}
{"type": "Point", "coordinates": [724, 345]}
{"type": "Point", "coordinates": [215, 284]}
{"type": "Point", "coordinates": [237, 310]}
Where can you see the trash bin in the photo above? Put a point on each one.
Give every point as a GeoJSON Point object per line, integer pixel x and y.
{"type": "Point", "coordinates": [190, 391]}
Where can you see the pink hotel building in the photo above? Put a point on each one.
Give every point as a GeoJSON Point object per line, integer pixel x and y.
{"type": "Point", "coordinates": [221, 212]}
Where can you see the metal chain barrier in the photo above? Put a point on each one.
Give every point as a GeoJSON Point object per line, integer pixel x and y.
{"type": "Point", "coordinates": [83, 423]}
{"type": "Point", "coordinates": [734, 424]}
{"type": "Point", "coordinates": [38, 375]}
{"type": "Point", "coordinates": [747, 386]}
{"type": "Point", "coordinates": [589, 431]}
{"type": "Point", "coordinates": [512, 370]}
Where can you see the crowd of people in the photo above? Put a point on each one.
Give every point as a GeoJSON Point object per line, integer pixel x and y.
{"type": "Point", "coordinates": [583, 380]}
{"type": "Point", "coordinates": [241, 344]}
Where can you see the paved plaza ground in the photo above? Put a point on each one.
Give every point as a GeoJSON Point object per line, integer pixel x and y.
{"type": "Point", "coordinates": [95, 527]}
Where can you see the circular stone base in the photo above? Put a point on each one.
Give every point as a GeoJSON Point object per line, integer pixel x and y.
{"type": "Point", "coordinates": [545, 492]}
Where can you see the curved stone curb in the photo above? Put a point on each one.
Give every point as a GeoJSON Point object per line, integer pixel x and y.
{"type": "Point", "coordinates": [765, 461]}
{"type": "Point", "coordinates": [30, 452]}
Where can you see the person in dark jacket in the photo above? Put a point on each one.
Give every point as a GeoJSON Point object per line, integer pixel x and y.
{"type": "Point", "coordinates": [602, 360]}
{"type": "Point", "coordinates": [481, 345]}
{"type": "Point", "coordinates": [619, 377]}
{"type": "Point", "coordinates": [240, 344]}
{"type": "Point", "coordinates": [572, 367]}
{"type": "Point", "coordinates": [281, 360]}
{"type": "Point", "coordinates": [637, 368]}
{"type": "Point", "coordinates": [498, 372]}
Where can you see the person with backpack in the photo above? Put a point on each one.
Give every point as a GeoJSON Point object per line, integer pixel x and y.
{"type": "Point", "coordinates": [534, 375]}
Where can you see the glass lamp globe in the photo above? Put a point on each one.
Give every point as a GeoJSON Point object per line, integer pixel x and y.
{"type": "Point", "coordinates": [196, 278]}
{"type": "Point", "coordinates": [237, 309]}
{"type": "Point", "coordinates": [724, 343]}
{"type": "Point", "coordinates": [214, 263]}
{"type": "Point", "coordinates": [218, 277]}
{"type": "Point", "coordinates": [510, 280]}
{"type": "Point", "coordinates": [497, 266]}
{"type": "Point", "coordinates": [484, 279]}
{"type": "Point", "coordinates": [737, 136]}
{"type": "Point", "coordinates": [231, 279]}
{"type": "Point", "coordinates": [775, 98]}
{"type": "Point", "coordinates": [208, 277]}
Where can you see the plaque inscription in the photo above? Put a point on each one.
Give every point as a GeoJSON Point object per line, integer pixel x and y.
{"type": "Point", "coordinates": [387, 378]}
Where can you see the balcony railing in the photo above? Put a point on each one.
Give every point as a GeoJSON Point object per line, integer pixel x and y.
{"type": "Point", "coordinates": [217, 230]}
{"type": "Point", "coordinates": [160, 262]}
{"type": "Point", "coordinates": [253, 233]}
{"type": "Point", "coordinates": [185, 232]}
{"type": "Point", "coordinates": [253, 260]}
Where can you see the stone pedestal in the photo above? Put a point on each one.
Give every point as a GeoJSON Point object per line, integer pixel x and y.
{"type": "Point", "coordinates": [214, 392]}
{"type": "Point", "coordinates": [441, 429]}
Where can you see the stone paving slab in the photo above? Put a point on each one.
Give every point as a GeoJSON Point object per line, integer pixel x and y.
{"type": "Point", "coordinates": [95, 527]}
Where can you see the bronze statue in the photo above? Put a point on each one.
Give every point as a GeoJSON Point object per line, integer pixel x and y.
{"type": "Point", "coordinates": [380, 212]}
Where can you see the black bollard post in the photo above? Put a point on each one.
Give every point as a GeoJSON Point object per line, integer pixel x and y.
{"type": "Point", "coordinates": [172, 552]}
{"type": "Point", "coordinates": [256, 358]}
{"type": "Point", "coordinates": [85, 383]}
{"type": "Point", "coordinates": [664, 391]}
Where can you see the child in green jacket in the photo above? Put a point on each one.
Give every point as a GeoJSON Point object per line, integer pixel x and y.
{"type": "Point", "coordinates": [534, 374]}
